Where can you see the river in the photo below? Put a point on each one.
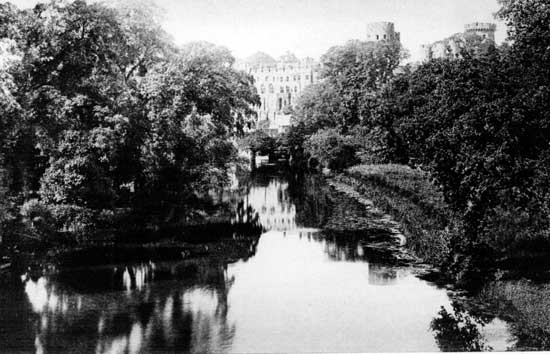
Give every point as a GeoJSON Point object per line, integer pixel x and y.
{"type": "Point", "coordinates": [303, 290]}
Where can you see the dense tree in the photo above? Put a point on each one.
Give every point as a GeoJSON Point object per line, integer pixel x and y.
{"type": "Point", "coordinates": [356, 71]}
{"type": "Point", "coordinates": [479, 124]}
{"type": "Point", "coordinates": [101, 111]}
{"type": "Point", "coordinates": [351, 75]}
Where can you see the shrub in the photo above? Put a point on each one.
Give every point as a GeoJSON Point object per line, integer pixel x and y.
{"type": "Point", "coordinates": [38, 218]}
{"type": "Point", "coordinates": [73, 218]}
{"type": "Point", "coordinates": [332, 149]}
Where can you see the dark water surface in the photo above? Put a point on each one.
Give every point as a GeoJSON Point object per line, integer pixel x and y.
{"type": "Point", "coordinates": [302, 291]}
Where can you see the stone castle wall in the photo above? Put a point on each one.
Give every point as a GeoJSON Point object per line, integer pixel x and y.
{"type": "Point", "coordinates": [450, 47]}
{"type": "Point", "coordinates": [378, 31]}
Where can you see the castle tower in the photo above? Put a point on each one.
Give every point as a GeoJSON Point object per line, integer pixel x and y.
{"type": "Point", "coordinates": [482, 29]}
{"type": "Point", "coordinates": [380, 31]}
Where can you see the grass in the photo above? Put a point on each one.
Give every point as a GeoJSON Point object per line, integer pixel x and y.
{"type": "Point", "coordinates": [411, 198]}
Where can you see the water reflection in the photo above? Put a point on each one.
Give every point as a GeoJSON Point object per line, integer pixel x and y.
{"type": "Point", "coordinates": [188, 312]}
{"type": "Point", "coordinates": [457, 330]}
{"type": "Point", "coordinates": [275, 211]}
{"type": "Point", "coordinates": [298, 289]}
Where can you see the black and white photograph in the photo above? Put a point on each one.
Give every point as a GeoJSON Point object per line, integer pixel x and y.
{"type": "Point", "coordinates": [282, 176]}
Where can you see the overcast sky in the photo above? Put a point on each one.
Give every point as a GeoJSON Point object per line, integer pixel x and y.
{"type": "Point", "coordinates": [311, 27]}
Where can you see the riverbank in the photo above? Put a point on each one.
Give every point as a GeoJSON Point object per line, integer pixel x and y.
{"type": "Point", "coordinates": [432, 230]}
{"type": "Point", "coordinates": [408, 196]}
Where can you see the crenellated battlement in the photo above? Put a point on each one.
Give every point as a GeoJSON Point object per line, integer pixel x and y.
{"type": "Point", "coordinates": [480, 26]}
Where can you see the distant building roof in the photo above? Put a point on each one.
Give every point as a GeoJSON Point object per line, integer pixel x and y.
{"type": "Point", "coordinates": [261, 59]}
{"type": "Point", "coordinates": [288, 57]}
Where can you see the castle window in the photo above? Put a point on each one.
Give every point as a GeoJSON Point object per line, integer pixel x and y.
{"type": "Point", "coordinates": [384, 36]}
{"type": "Point", "coordinates": [282, 90]}
{"type": "Point", "coordinates": [280, 104]}
{"type": "Point", "coordinates": [377, 37]}
{"type": "Point", "coordinates": [270, 88]}
{"type": "Point", "coordinates": [295, 88]}
{"type": "Point", "coordinates": [287, 89]}
{"type": "Point", "coordinates": [262, 89]}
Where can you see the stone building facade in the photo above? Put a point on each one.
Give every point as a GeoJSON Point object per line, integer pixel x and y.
{"type": "Point", "coordinates": [279, 84]}
{"type": "Point", "coordinates": [380, 31]}
{"type": "Point", "coordinates": [451, 47]}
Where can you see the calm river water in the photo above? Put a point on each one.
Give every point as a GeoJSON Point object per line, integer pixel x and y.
{"type": "Point", "coordinates": [301, 291]}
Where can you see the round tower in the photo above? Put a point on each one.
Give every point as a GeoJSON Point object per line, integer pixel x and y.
{"type": "Point", "coordinates": [482, 29]}
{"type": "Point", "coordinates": [380, 31]}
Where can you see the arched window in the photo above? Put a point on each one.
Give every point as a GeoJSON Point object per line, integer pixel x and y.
{"type": "Point", "coordinates": [287, 89]}
{"type": "Point", "coordinates": [377, 37]}
{"type": "Point", "coordinates": [270, 88]}
{"type": "Point", "coordinates": [282, 90]}
{"type": "Point", "coordinates": [262, 89]}
{"type": "Point", "coordinates": [295, 88]}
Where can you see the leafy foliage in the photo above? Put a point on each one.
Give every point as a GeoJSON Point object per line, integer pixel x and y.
{"type": "Point", "coordinates": [331, 149]}
{"type": "Point", "coordinates": [101, 111]}
{"type": "Point", "coordinates": [351, 75]}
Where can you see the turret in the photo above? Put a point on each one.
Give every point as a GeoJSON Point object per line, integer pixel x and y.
{"type": "Point", "coordinates": [482, 29]}
{"type": "Point", "coordinates": [380, 31]}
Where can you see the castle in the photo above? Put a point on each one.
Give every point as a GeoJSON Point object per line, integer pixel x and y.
{"type": "Point", "coordinates": [382, 31]}
{"type": "Point", "coordinates": [280, 82]}
{"type": "Point", "coordinates": [451, 47]}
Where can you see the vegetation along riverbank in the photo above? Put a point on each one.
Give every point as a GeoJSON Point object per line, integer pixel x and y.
{"type": "Point", "coordinates": [463, 143]}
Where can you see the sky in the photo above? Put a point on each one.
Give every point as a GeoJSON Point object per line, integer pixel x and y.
{"type": "Point", "coordinates": [311, 27]}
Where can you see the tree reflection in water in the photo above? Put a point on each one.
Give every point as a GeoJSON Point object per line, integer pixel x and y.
{"type": "Point", "coordinates": [458, 331]}
{"type": "Point", "coordinates": [187, 313]}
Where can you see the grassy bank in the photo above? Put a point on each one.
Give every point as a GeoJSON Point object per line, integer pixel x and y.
{"type": "Point", "coordinates": [412, 200]}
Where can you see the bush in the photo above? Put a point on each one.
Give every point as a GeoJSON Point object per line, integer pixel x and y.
{"type": "Point", "coordinates": [332, 149]}
{"type": "Point", "coordinates": [38, 218]}
{"type": "Point", "coordinates": [74, 218]}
